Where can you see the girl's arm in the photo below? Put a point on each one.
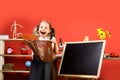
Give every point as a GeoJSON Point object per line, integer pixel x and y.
{"type": "Point", "coordinates": [55, 45]}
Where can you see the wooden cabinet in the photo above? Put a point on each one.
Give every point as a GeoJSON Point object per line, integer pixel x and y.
{"type": "Point", "coordinates": [13, 64]}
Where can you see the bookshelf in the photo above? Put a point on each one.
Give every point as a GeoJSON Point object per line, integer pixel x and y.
{"type": "Point", "coordinates": [15, 58]}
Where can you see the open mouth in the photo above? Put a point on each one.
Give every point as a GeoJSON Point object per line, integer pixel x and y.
{"type": "Point", "coordinates": [42, 32]}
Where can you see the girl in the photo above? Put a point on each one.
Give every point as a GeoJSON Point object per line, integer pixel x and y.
{"type": "Point", "coordinates": [42, 70]}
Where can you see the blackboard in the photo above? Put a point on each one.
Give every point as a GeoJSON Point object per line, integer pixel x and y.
{"type": "Point", "coordinates": [82, 59]}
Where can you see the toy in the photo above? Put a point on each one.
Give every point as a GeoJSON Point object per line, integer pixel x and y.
{"type": "Point", "coordinates": [28, 64]}
{"type": "Point", "coordinates": [14, 29]}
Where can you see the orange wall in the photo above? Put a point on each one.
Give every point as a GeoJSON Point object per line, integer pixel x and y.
{"type": "Point", "coordinates": [72, 19]}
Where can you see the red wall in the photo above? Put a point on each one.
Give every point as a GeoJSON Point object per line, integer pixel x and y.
{"type": "Point", "coordinates": [72, 19]}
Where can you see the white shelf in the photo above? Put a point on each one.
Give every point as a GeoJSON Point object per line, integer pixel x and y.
{"type": "Point", "coordinates": [3, 55]}
{"type": "Point", "coordinates": [15, 71]}
{"type": "Point", "coordinates": [112, 58]}
{"type": "Point", "coordinates": [15, 55]}
{"type": "Point", "coordinates": [11, 39]}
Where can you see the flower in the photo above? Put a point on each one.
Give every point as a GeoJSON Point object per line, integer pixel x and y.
{"type": "Point", "coordinates": [103, 34]}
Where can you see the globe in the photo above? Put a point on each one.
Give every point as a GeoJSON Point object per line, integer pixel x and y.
{"type": "Point", "coordinates": [28, 64]}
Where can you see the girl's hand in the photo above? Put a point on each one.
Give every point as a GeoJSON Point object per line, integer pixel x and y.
{"type": "Point", "coordinates": [54, 40]}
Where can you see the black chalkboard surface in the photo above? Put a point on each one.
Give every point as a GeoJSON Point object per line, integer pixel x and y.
{"type": "Point", "coordinates": [82, 59]}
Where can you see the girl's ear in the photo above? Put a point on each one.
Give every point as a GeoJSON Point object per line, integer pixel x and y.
{"type": "Point", "coordinates": [49, 31]}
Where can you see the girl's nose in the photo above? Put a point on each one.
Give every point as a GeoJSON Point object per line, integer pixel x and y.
{"type": "Point", "coordinates": [43, 28]}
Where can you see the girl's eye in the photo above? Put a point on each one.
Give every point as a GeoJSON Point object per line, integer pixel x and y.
{"type": "Point", "coordinates": [46, 28]}
{"type": "Point", "coordinates": [41, 27]}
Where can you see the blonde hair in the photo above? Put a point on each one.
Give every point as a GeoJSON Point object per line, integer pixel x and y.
{"type": "Point", "coordinates": [36, 29]}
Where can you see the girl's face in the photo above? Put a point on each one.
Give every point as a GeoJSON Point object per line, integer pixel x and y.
{"type": "Point", "coordinates": [44, 29]}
